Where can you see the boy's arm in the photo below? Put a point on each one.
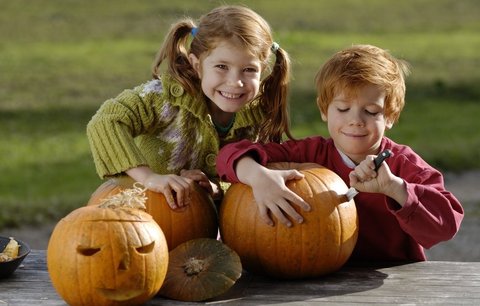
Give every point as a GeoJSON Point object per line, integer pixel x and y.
{"type": "Point", "coordinates": [308, 150]}
{"type": "Point", "coordinates": [415, 195]}
{"type": "Point", "coordinates": [229, 155]}
{"type": "Point", "coordinates": [279, 198]}
{"type": "Point", "coordinates": [430, 214]}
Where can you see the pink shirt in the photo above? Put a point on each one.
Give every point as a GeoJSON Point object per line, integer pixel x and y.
{"type": "Point", "coordinates": [387, 231]}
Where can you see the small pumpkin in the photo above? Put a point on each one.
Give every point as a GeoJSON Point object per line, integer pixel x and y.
{"type": "Point", "coordinates": [107, 255]}
{"type": "Point", "coordinates": [197, 220]}
{"type": "Point", "coordinates": [318, 246]}
{"type": "Point", "coordinates": [200, 269]}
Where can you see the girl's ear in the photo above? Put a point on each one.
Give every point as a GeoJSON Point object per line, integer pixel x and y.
{"type": "Point", "coordinates": [195, 62]}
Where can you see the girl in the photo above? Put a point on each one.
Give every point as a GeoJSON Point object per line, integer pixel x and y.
{"type": "Point", "coordinates": [216, 89]}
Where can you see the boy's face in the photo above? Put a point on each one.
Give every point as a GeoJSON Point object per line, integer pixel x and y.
{"type": "Point", "coordinates": [356, 121]}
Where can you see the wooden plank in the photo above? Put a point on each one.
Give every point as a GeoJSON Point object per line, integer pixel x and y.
{"type": "Point", "coordinates": [416, 283]}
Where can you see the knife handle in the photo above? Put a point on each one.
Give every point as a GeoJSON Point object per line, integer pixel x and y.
{"type": "Point", "coordinates": [381, 157]}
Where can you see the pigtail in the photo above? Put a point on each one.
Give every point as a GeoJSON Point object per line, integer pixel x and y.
{"type": "Point", "coordinates": [274, 99]}
{"type": "Point", "coordinates": [175, 53]}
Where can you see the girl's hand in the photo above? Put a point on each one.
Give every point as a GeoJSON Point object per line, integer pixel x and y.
{"type": "Point", "coordinates": [172, 186]}
{"type": "Point", "coordinates": [364, 178]}
{"type": "Point", "coordinates": [270, 191]}
{"type": "Point", "coordinates": [202, 179]}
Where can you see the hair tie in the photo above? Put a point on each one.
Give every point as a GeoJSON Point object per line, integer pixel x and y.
{"type": "Point", "coordinates": [194, 31]}
{"type": "Point", "coordinates": [275, 47]}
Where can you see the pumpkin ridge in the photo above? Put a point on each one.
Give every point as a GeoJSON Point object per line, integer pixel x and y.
{"type": "Point", "coordinates": [311, 180]}
{"type": "Point", "coordinates": [304, 237]}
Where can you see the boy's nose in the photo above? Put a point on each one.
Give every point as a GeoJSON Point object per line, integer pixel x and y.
{"type": "Point", "coordinates": [356, 118]}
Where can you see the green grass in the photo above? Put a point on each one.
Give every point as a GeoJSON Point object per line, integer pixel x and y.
{"type": "Point", "coordinates": [59, 60]}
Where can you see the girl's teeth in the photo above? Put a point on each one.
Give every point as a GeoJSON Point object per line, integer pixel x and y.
{"type": "Point", "coordinates": [230, 96]}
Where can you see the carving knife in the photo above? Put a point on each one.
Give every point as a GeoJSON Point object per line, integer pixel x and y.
{"type": "Point", "coordinates": [352, 192]}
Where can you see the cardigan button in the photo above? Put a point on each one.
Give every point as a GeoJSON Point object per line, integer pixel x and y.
{"type": "Point", "coordinates": [211, 159]}
{"type": "Point", "coordinates": [176, 90]}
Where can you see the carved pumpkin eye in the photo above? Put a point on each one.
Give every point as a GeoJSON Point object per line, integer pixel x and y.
{"type": "Point", "coordinates": [87, 251]}
{"type": "Point", "coordinates": [145, 249]}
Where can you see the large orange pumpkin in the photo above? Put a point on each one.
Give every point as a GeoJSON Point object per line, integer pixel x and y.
{"type": "Point", "coordinates": [101, 255]}
{"type": "Point", "coordinates": [197, 220]}
{"type": "Point", "coordinates": [318, 246]}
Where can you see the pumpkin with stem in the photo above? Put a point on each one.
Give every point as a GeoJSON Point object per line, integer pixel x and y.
{"type": "Point", "coordinates": [200, 269]}
{"type": "Point", "coordinates": [108, 254]}
{"type": "Point", "coordinates": [197, 220]}
{"type": "Point", "coordinates": [318, 246]}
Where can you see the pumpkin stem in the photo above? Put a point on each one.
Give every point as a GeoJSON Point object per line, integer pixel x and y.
{"type": "Point", "coordinates": [133, 198]}
{"type": "Point", "coordinates": [194, 266]}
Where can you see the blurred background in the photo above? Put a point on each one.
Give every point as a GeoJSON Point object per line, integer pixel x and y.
{"type": "Point", "coordinates": [60, 59]}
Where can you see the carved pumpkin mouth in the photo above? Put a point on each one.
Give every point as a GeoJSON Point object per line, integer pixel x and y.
{"type": "Point", "coordinates": [120, 294]}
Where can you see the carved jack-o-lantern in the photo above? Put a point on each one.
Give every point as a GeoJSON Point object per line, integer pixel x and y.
{"type": "Point", "coordinates": [99, 255]}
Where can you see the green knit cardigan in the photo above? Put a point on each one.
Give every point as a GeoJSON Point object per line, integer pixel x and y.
{"type": "Point", "coordinates": [159, 125]}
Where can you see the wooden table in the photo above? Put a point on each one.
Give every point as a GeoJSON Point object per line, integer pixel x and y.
{"type": "Point", "coordinates": [434, 282]}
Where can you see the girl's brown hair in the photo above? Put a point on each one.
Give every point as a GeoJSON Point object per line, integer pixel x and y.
{"type": "Point", "coordinates": [225, 23]}
{"type": "Point", "coordinates": [357, 66]}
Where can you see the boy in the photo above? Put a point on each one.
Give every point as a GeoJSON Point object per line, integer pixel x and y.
{"type": "Point", "coordinates": [403, 207]}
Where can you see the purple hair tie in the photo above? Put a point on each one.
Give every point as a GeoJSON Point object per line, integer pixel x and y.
{"type": "Point", "coordinates": [194, 31]}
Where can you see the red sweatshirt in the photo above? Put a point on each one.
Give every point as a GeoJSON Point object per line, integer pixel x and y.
{"type": "Point", "coordinates": [387, 230]}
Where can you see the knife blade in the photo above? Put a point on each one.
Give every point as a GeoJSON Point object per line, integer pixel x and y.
{"type": "Point", "coordinates": [352, 192]}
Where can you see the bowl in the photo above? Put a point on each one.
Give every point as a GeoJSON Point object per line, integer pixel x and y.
{"type": "Point", "coordinates": [8, 267]}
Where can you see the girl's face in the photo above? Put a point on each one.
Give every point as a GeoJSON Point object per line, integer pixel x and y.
{"type": "Point", "coordinates": [230, 77]}
{"type": "Point", "coordinates": [356, 122]}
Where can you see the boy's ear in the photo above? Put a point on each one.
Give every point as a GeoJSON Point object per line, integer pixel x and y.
{"type": "Point", "coordinates": [324, 117]}
{"type": "Point", "coordinates": [195, 62]}
{"type": "Point", "coordinates": [388, 124]}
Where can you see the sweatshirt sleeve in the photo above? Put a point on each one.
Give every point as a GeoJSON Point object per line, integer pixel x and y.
{"type": "Point", "coordinates": [308, 150]}
{"type": "Point", "coordinates": [231, 153]}
{"type": "Point", "coordinates": [431, 214]}
{"type": "Point", "coordinates": [111, 133]}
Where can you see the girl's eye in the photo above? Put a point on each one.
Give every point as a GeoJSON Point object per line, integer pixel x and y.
{"type": "Point", "coordinates": [254, 70]}
{"type": "Point", "coordinates": [343, 110]}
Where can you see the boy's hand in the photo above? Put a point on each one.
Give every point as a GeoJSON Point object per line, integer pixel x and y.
{"type": "Point", "coordinates": [270, 191]}
{"type": "Point", "coordinates": [364, 178]}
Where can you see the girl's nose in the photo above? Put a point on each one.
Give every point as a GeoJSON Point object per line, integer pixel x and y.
{"type": "Point", "coordinates": [235, 81]}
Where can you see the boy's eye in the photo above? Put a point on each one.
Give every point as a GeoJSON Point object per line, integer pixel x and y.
{"type": "Point", "coordinates": [222, 66]}
{"type": "Point", "coordinates": [374, 113]}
